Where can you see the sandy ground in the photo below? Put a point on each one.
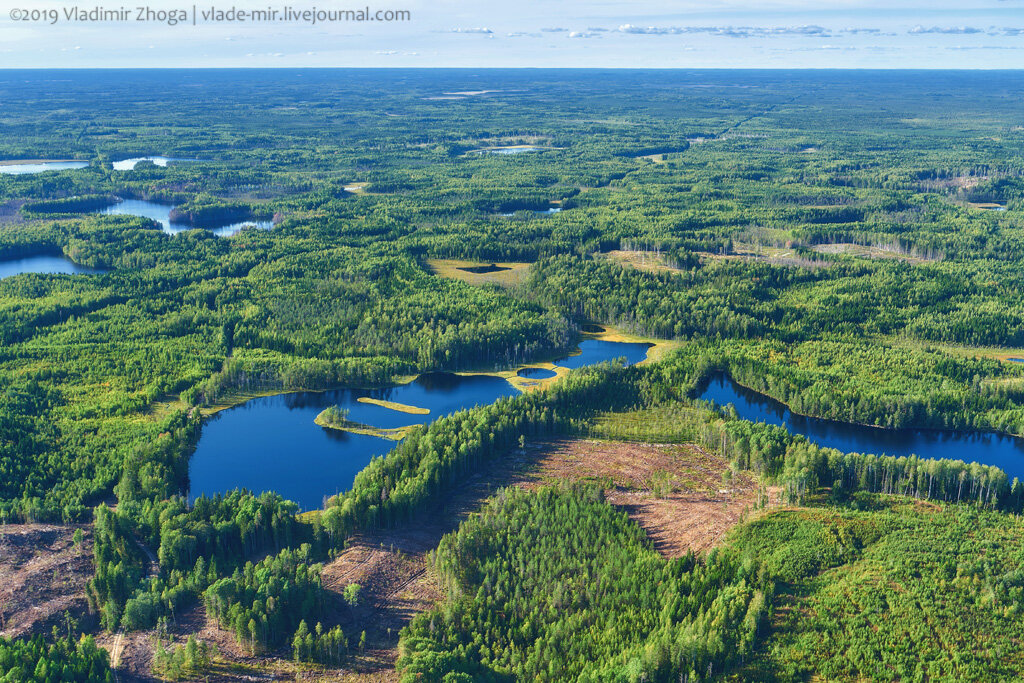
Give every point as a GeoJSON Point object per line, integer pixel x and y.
{"type": "Point", "coordinates": [42, 576]}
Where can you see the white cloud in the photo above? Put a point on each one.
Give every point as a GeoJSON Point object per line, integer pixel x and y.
{"type": "Point", "coordinates": [730, 31]}
{"type": "Point", "coordinates": [953, 30]}
{"type": "Point", "coordinates": [641, 33]}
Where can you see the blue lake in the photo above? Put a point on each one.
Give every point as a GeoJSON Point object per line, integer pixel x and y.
{"type": "Point", "coordinates": [43, 264]}
{"type": "Point", "coordinates": [1004, 452]}
{"type": "Point", "coordinates": [273, 444]}
{"type": "Point", "coordinates": [161, 213]}
{"type": "Point", "coordinates": [593, 351]}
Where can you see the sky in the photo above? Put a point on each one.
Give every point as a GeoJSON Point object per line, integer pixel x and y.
{"type": "Point", "coordinates": [973, 34]}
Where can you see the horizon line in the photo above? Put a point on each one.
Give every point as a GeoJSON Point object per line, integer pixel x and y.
{"type": "Point", "coordinates": [501, 68]}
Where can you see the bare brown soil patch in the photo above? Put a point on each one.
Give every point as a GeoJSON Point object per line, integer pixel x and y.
{"type": "Point", "coordinates": [674, 492]}
{"type": "Point", "coordinates": [132, 654]}
{"type": "Point", "coordinates": [391, 567]}
{"type": "Point", "coordinates": [42, 576]}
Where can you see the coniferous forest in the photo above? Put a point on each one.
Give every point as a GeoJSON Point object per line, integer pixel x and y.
{"type": "Point", "coordinates": [847, 244]}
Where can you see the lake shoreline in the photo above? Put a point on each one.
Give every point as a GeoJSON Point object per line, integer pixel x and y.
{"type": "Point", "coordinates": [390, 433]}
{"type": "Point", "coordinates": [938, 430]}
{"type": "Point", "coordinates": [989, 447]}
{"type": "Point", "coordinates": [46, 263]}
{"type": "Point", "coordinates": [270, 437]}
{"type": "Point", "coordinates": [27, 162]}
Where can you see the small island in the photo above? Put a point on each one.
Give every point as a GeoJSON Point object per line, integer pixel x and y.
{"type": "Point", "coordinates": [334, 417]}
{"type": "Point", "coordinates": [394, 405]}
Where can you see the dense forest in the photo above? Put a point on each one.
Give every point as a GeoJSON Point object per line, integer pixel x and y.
{"type": "Point", "coordinates": [562, 586]}
{"type": "Point", "coordinates": [844, 243]}
{"type": "Point", "coordinates": [65, 659]}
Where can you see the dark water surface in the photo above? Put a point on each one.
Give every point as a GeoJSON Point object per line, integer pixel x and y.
{"type": "Point", "coordinates": [536, 373]}
{"type": "Point", "coordinates": [43, 264]}
{"type": "Point", "coordinates": [272, 444]}
{"type": "Point", "coordinates": [1005, 452]}
{"type": "Point", "coordinates": [593, 351]}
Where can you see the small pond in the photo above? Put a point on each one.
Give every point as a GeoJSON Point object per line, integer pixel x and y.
{"type": "Point", "coordinates": [43, 264]}
{"type": "Point", "coordinates": [161, 213]}
{"type": "Point", "coordinates": [536, 373]}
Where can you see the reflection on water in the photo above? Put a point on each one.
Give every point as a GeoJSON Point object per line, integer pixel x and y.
{"type": "Point", "coordinates": [987, 448]}
{"type": "Point", "coordinates": [130, 164]}
{"type": "Point", "coordinates": [40, 166]}
{"type": "Point", "coordinates": [161, 213]}
{"type": "Point", "coordinates": [43, 264]}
